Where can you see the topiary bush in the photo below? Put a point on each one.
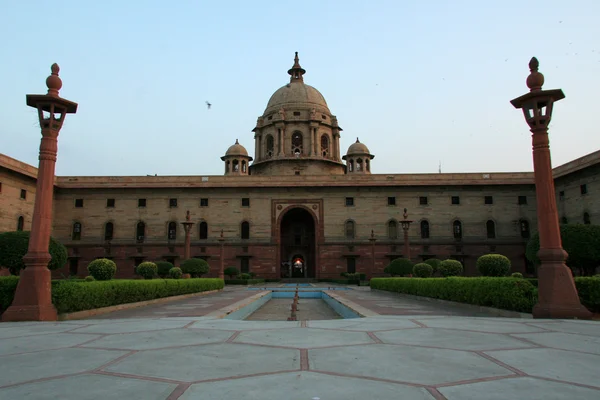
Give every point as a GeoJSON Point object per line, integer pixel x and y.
{"type": "Point", "coordinates": [146, 270]}
{"type": "Point", "coordinates": [450, 268]}
{"type": "Point", "coordinates": [163, 268]}
{"type": "Point", "coordinates": [252, 274]}
{"type": "Point", "coordinates": [435, 263]}
{"type": "Point", "coordinates": [231, 272]}
{"type": "Point", "coordinates": [175, 273]}
{"type": "Point", "coordinates": [423, 270]}
{"type": "Point", "coordinates": [400, 267]}
{"type": "Point", "coordinates": [14, 245]}
{"type": "Point", "coordinates": [493, 265]}
{"type": "Point", "coordinates": [196, 267]}
{"type": "Point", "coordinates": [89, 278]}
{"type": "Point", "coordinates": [516, 275]}
{"type": "Point", "coordinates": [102, 269]}
{"type": "Point", "coordinates": [245, 276]}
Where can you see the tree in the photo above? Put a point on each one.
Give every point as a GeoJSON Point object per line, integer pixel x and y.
{"type": "Point", "coordinates": [14, 245]}
{"type": "Point", "coordinates": [581, 242]}
{"type": "Point", "coordinates": [399, 266]}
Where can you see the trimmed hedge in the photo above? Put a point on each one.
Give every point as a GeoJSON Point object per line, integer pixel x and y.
{"type": "Point", "coordinates": [175, 273]}
{"type": "Point", "coordinates": [163, 268]}
{"type": "Point", "coordinates": [196, 267]}
{"type": "Point", "coordinates": [147, 270]}
{"type": "Point", "coordinates": [14, 245]}
{"type": "Point", "coordinates": [434, 262]}
{"type": "Point", "coordinates": [243, 281]}
{"type": "Point", "coordinates": [8, 285]}
{"type": "Point", "coordinates": [589, 292]}
{"type": "Point", "coordinates": [450, 268]}
{"type": "Point", "coordinates": [400, 267]}
{"type": "Point", "coordinates": [493, 265]}
{"type": "Point", "coordinates": [102, 269]}
{"type": "Point", "coordinates": [423, 270]}
{"type": "Point", "coordinates": [505, 293]}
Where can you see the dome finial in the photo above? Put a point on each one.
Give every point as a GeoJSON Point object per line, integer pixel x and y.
{"type": "Point", "coordinates": [296, 71]}
{"type": "Point", "coordinates": [357, 141]}
{"type": "Point", "coordinates": [535, 80]}
{"type": "Point", "coordinates": [236, 141]}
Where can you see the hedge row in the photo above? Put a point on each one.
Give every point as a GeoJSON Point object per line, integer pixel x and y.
{"type": "Point", "coordinates": [71, 296]}
{"type": "Point", "coordinates": [243, 281]}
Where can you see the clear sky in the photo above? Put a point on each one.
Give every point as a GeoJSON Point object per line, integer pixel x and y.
{"type": "Point", "coordinates": [418, 81]}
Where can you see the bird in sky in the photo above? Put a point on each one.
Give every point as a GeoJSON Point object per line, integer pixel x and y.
{"type": "Point", "coordinates": [208, 105]}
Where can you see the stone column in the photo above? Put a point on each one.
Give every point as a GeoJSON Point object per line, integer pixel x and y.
{"type": "Point", "coordinates": [405, 227]}
{"type": "Point", "coordinates": [187, 227]}
{"type": "Point", "coordinates": [222, 256]}
{"type": "Point", "coordinates": [372, 239]}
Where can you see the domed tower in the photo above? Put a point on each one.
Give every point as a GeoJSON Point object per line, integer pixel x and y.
{"type": "Point", "coordinates": [236, 160]}
{"type": "Point", "coordinates": [358, 159]}
{"type": "Point", "coordinates": [297, 134]}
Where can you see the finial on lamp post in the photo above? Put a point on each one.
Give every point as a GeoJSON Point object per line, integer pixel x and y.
{"type": "Point", "coordinates": [53, 82]}
{"type": "Point", "coordinates": [535, 80]}
{"type": "Point", "coordinates": [405, 213]}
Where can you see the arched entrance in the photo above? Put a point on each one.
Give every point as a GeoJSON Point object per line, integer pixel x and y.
{"type": "Point", "coordinates": [297, 244]}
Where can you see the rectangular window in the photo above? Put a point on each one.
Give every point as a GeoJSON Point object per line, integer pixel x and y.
{"type": "Point", "coordinates": [244, 265]}
{"type": "Point", "coordinates": [349, 201]}
{"type": "Point", "coordinates": [391, 201]}
{"type": "Point", "coordinates": [423, 200]}
{"type": "Point", "coordinates": [583, 188]}
{"type": "Point", "coordinates": [245, 202]}
{"type": "Point", "coordinates": [203, 202]}
{"type": "Point", "coordinates": [23, 194]}
{"type": "Point", "coordinates": [455, 200]}
{"type": "Point", "coordinates": [78, 203]}
{"type": "Point", "coordinates": [351, 265]}
{"type": "Point", "coordinates": [489, 200]}
{"type": "Point", "coordinates": [561, 195]}
{"type": "Point", "coordinates": [141, 202]}
{"type": "Point", "coordinates": [522, 200]}
{"type": "Point", "coordinates": [110, 203]}
{"type": "Point", "coordinates": [172, 203]}
{"type": "Point", "coordinates": [73, 266]}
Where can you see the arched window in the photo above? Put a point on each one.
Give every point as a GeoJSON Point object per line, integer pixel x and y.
{"type": "Point", "coordinates": [297, 148]}
{"type": "Point", "coordinates": [359, 165]}
{"type": "Point", "coordinates": [244, 166]}
{"type": "Point", "coordinates": [457, 229]}
{"type": "Point", "coordinates": [20, 223]}
{"type": "Point", "coordinates": [245, 230]}
{"type": "Point", "coordinates": [524, 228]}
{"type": "Point", "coordinates": [270, 146]}
{"type": "Point", "coordinates": [236, 166]}
{"type": "Point", "coordinates": [226, 166]}
{"type": "Point", "coordinates": [350, 231]}
{"type": "Point", "coordinates": [203, 230]}
{"type": "Point", "coordinates": [490, 227]}
{"type": "Point", "coordinates": [140, 232]}
{"type": "Point", "coordinates": [350, 165]}
{"type": "Point", "coordinates": [172, 230]}
{"type": "Point", "coordinates": [586, 218]}
{"type": "Point", "coordinates": [76, 235]}
{"type": "Point", "coordinates": [108, 231]}
{"type": "Point", "coordinates": [392, 230]}
{"type": "Point", "coordinates": [325, 146]}
{"type": "Point", "coordinates": [424, 229]}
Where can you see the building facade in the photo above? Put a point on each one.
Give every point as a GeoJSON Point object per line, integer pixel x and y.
{"type": "Point", "coordinates": [298, 198]}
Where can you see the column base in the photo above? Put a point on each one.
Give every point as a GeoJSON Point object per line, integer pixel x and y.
{"type": "Point", "coordinates": [30, 313]}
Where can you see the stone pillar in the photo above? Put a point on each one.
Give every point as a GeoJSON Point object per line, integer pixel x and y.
{"type": "Point", "coordinates": [187, 227]}
{"type": "Point", "coordinates": [372, 239]}
{"type": "Point", "coordinates": [222, 256]}
{"type": "Point", "coordinates": [405, 227]}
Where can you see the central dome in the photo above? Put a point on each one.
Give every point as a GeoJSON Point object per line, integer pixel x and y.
{"type": "Point", "coordinates": [297, 94]}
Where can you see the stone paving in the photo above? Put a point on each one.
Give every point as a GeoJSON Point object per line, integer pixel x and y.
{"type": "Point", "coordinates": [381, 357]}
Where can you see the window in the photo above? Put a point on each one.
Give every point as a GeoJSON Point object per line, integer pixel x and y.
{"type": "Point", "coordinates": [20, 223]}
{"type": "Point", "coordinates": [203, 227]}
{"type": "Point", "coordinates": [172, 203]}
{"type": "Point", "coordinates": [522, 200]}
{"type": "Point", "coordinates": [586, 218]}
{"type": "Point", "coordinates": [245, 230]}
{"type": "Point", "coordinates": [245, 202]}
{"type": "Point", "coordinates": [561, 195]}
{"type": "Point", "coordinates": [297, 147]}
{"type": "Point", "coordinates": [490, 227]}
{"type": "Point", "coordinates": [351, 265]}
{"type": "Point", "coordinates": [244, 166]}
{"type": "Point", "coordinates": [349, 201]}
{"type": "Point", "coordinates": [457, 229]}
{"type": "Point", "coordinates": [423, 200]}
{"type": "Point", "coordinates": [424, 229]}
{"type": "Point", "coordinates": [23, 194]}
{"type": "Point", "coordinates": [141, 202]}
{"type": "Point", "coordinates": [203, 202]}
{"type": "Point", "coordinates": [270, 146]}
{"type": "Point", "coordinates": [350, 166]}
{"type": "Point", "coordinates": [392, 230]}
{"type": "Point", "coordinates": [296, 172]}
{"type": "Point", "coordinates": [108, 231]}
{"type": "Point", "coordinates": [455, 200]}
{"type": "Point", "coordinates": [391, 201]}
{"type": "Point", "coordinates": [140, 232]}
{"type": "Point", "coordinates": [73, 266]}
{"type": "Point", "coordinates": [583, 189]}
{"type": "Point", "coordinates": [325, 146]}
{"type": "Point", "coordinates": [564, 220]}
{"type": "Point", "coordinates": [296, 113]}
{"type": "Point", "coordinates": [359, 165]}
{"type": "Point", "coordinates": [78, 203]}
{"type": "Point", "coordinates": [244, 265]}
{"type": "Point", "coordinates": [236, 165]}
{"type": "Point", "coordinates": [524, 227]}
{"type": "Point", "coordinates": [172, 230]}
{"type": "Point", "coordinates": [76, 234]}
{"type": "Point", "coordinates": [488, 200]}
{"type": "Point", "coordinates": [110, 203]}
{"type": "Point", "coordinates": [367, 165]}
{"type": "Point", "coordinates": [349, 226]}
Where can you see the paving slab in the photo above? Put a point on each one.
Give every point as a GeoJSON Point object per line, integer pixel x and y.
{"type": "Point", "coordinates": [236, 325]}
{"type": "Point", "coordinates": [29, 344]}
{"type": "Point", "coordinates": [132, 326]}
{"type": "Point", "coordinates": [482, 325]}
{"type": "Point", "coordinates": [366, 325]}
{"type": "Point", "coordinates": [591, 328]}
{"type": "Point", "coordinates": [36, 329]}
{"type": "Point", "coordinates": [303, 338]}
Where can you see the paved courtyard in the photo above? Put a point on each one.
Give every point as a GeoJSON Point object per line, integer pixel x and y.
{"type": "Point", "coordinates": [439, 354]}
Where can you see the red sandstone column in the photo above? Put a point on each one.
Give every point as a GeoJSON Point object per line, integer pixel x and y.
{"type": "Point", "coordinates": [222, 256]}
{"type": "Point", "coordinates": [187, 227]}
{"type": "Point", "coordinates": [33, 297]}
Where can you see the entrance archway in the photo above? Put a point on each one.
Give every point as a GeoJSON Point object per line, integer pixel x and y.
{"type": "Point", "coordinates": [297, 244]}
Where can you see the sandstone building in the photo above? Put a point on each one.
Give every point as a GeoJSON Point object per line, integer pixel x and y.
{"type": "Point", "coordinates": [298, 197]}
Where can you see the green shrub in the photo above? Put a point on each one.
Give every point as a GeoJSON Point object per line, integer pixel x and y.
{"type": "Point", "coordinates": [8, 286]}
{"type": "Point", "coordinates": [450, 268]}
{"type": "Point", "coordinates": [353, 277]}
{"type": "Point", "coordinates": [400, 267]}
{"type": "Point", "coordinates": [146, 270]}
{"type": "Point", "coordinates": [102, 269]}
{"type": "Point", "coordinates": [423, 270]}
{"type": "Point", "coordinates": [196, 267]}
{"type": "Point", "coordinates": [493, 265]}
{"type": "Point", "coordinates": [505, 293]}
{"type": "Point", "coordinates": [231, 272]}
{"type": "Point", "coordinates": [344, 274]}
{"type": "Point", "coordinates": [252, 274]}
{"type": "Point", "coordinates": [517, 275]}
{"type": "Point", "coordinates": [89, 278]}
{"type": "Point", "coordinates": [363, 277]}
{"type": "Point", "coordinates": [163, 268]}
{"type": "Point", "coordinates": [589, 292]}
{"type": "Point", "coordinates": [435, 263]}
{"type": "Point", "coordinates": [175, 273]}
{"type": "Point", "coordinates": [14, 245]}
{"type": "Point", "coordinates": [245, 276]}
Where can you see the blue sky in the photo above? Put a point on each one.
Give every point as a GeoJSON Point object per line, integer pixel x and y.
{"type": "Point", "coordinates": [417, 81]}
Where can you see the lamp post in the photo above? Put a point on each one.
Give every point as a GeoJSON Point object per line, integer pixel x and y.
{"type": "Point", "coordinates": [222, 257]}
{"type": "Point", "coordinates": [33, 300]}
{"type": "Point", "coordinates": [557, 294]}
{"type": "Point", "coordinates": [187, 227]}
{"type": "Point", "coordinates": [405, 226]}
{"type": "Point", "coordinates": [372, 239]}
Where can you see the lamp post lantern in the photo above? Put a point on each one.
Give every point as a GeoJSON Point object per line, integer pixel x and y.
{"type": "Point", "coordinates": [557, 294]}
{"type": "Point", "coordinates": [187, 227]}
{"type": "Point", "coordinates": [405, 227]}
{"type": "Point", "coordinates": [33, 300]}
